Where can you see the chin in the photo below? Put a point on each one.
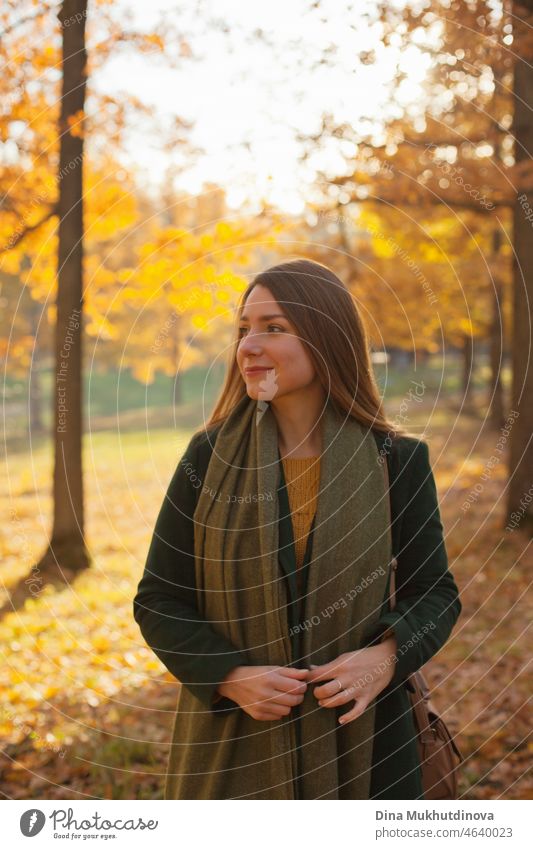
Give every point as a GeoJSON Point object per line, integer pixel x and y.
{"type": "Point", "coordinates": [252, 392]}
{"type": "Point", "coordinates": [258, 395]}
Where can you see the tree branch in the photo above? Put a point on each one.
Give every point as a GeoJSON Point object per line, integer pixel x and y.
{"type": "Point", "coordinates": [28, 229]}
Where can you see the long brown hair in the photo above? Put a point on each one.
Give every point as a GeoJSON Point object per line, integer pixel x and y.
{"type": "Point", "coordinates": [328, 323]}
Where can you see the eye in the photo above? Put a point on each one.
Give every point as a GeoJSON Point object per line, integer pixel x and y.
{"type": "Point", "coordinates": [277, 326]}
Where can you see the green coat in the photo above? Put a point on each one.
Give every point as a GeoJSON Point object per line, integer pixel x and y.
{"type": "Point", "coordinates": [199, 657]}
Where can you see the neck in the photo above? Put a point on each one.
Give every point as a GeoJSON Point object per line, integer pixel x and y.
{"type": "Point", "coordinates": [299, 424]}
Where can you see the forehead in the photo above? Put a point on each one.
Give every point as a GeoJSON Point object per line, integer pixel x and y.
{"type": "Point", "coordinates": [261, 302]}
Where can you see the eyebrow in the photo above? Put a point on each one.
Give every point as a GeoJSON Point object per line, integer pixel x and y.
{"type": "Point", "coordinates": [265, 317]}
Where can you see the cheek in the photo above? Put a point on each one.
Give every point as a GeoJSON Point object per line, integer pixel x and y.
{"type": "Point", "coordinates": [294, 361]}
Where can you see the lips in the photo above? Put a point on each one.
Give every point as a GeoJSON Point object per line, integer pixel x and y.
{"type": "Point", "coordinates": [255, 369]}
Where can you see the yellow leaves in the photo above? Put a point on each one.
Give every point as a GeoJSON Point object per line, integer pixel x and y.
{"type": "Point", "coordinates": [369, 220]}
{"type": "Point", "coordinates": [100, 643]}
{"type": "Point", "coordinates": [103, 277]}
{"type": "Point", "coordinates": [171, 237]}
{"type": "Point", "coordinates": [101, 328]}
{"type": "Point", "coordinates": [493, 746]}
{"type": "Point", "coordinates": [126, 275]}
{"type": "Point", "coordinates": [209, 274]}
{"type": "Point", "coordinates": [13, 696]}
{"type": "Point", "coordinates": [21, 350]}
{"type": "Point", "coordinates": [10, 262]}
{"type": "Point", "coordinates": [49, 52]}
{"type": "Point", "coordinates": [432, 253]}
{"type": "Point", "coordinates": [16, 676]}
{"type": "Point", "coordinates": [199, 321]}
{"type": "Point", "coordinates": [75, 123]}
{"type": "Point", "coordinates": [466, 326]}
{"type": "Point", "coordinates": [239, 284]}
{"type": "Point", "coordinates": [382, 248]}
{"type": "Point", "coordinates": [206, 242]}
{"type": "Point", "coordinates": [226, 232]}
{"type": "Point", "coordinates": [110, 208]}
{"type": "Point", "coordinates": [49, 56]}
{"type": "Point", "coordinates": [153, 40]}
{"type": "Point", "coordinates": [190, 356]}
{"type": "Point", "coordinates": [143, 371]}
{"type": "Point", "coordinates": [154, 275]}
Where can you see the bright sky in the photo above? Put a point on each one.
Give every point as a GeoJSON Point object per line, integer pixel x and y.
{"type": "Point", "coordinates": [241, 89]}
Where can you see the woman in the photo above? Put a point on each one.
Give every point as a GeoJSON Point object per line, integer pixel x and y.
{"type": "Point", "coordinates": [265, 590]}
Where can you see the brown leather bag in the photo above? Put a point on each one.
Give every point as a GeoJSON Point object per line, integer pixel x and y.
{"type": "Point", "coordinates": [438, 751]}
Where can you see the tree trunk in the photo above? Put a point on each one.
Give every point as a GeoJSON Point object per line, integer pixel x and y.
{"type": "Point", "coordinates": [495, 400]}
{"type": "Point", "coordinates": [467, 373]}
{"type": "Point", "coordinates": [35, 395]}
{"type": "Point", "coordinates": [520, 492]}
{"type": "Point", "coordinates": [177, 397]}
{"type": "Point", "coordinates": [67, 545]}
{"type": "Point", "coordinates": [36, 425]}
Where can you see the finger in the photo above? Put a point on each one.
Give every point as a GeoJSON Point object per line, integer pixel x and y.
{"type": "Point", "coordinates": [323, 673]}
{"type": "Point", "coordinates": [331, 690]}
{"type": "Point", "coordinates": [285, 684]}
{"type": "Point", "coordinates": [359, 708]}
{"type": "Point", "coordinates": [275, 709]}
{"type": "Point", "coordinates": [267, 716]}
{"type": "Point", "coordinates": [327, 670]}
{"type": "Point", "coordinates": [328, 690]}
{"type": "Point", "coordinates": [291, 672]}
{"type": "Point", "coordinates": [286, 699]}
{"type": "Point", "coordinates": [341, 698]}
{"type": "Point", "coordinates": [331, 685]}
{"type": "Point", "coordinates": [318, 672]}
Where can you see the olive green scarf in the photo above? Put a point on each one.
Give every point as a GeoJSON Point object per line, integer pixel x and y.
{"type": "Point", "coordinates": [242, 591]}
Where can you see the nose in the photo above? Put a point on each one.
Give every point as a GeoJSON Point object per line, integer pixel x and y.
{"type": "Point", "coordinates": [251, 344]}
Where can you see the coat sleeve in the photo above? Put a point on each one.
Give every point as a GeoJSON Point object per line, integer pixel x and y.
{"type": "Point", "coordinates": [165, 605]}
{"type": "Point", "coordinates": [427, 598]}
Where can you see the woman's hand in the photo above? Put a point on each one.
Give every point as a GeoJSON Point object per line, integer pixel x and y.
{"type": "Point", "coordinates": [363, 675]}
{"type": "Point", "coordinates": [265, 692]}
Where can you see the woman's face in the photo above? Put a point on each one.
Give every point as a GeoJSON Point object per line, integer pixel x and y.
{"type": "Point", "coordinates": [268, 340]}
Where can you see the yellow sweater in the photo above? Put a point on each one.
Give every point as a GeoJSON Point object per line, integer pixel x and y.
{"type": "Point", "coordinates": [302, 475]}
